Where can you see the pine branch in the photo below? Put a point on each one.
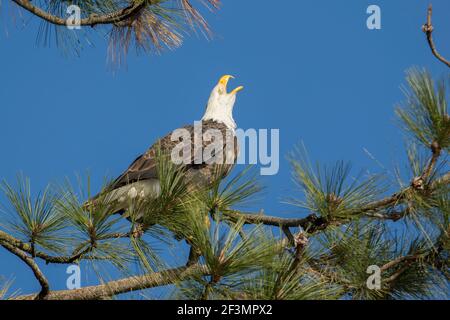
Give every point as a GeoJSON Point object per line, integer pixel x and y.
{"type": "Point", "coordinates": [312, 223]}
{"type": "Point", "coordinates": [148, 25]}
{"type": "Point", "coordinates": [45, 288]}
{"type": "Point", "coordinates": [25, 247]}
{"type": "Point", "coordinates": [430, 256]}
{"type": "Point", "coordinates": [111, 18]}
{"type": "Point", "coordinates": [394, 216]}
{"type": "Point", "coordinates": [436, 152]}
{"type": "Point", "coordinates": [428, 29]}
{"type": "Point", "coordinates": [125, 285]}
{"type": "Point", "coordinates": [400, 260]}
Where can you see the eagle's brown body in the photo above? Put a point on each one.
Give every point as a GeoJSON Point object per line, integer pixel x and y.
{"type": "Point", "coordinates": [145, 166]}
{"type": "Point", "coordinates": [141, 179]}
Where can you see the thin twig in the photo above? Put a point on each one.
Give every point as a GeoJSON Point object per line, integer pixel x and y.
{"type": "Point", "coordinates": [428, 30]}
{"type": "Point", "coordinates": [394, 216]}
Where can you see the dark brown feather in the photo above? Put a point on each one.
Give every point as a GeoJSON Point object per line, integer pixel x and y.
{"type": "Point", "coordinates": [145, 166]}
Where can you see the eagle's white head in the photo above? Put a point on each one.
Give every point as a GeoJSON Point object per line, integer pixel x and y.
{"type": "Point", "coordinates": [220, 104]}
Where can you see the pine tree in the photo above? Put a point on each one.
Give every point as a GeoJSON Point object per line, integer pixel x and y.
{"type": "Point", "coordinates": [148, 25]}
{"type": "Point", "coordinates": [346, 232]}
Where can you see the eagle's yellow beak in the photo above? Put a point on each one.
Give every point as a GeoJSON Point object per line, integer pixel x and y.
{"type": "Point", "coordinates": [224, 82]}
{"type": "Point", "coordinates": [237, 90]}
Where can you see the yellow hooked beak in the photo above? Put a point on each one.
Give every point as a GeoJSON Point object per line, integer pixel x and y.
{"type": "Point", "coordinates": [224, 82]}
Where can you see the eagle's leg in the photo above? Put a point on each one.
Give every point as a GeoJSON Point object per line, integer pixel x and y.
{"type": "Point", "coordinates": [194, 253]}
{"type": "Point", "coordinates": [194, 256]}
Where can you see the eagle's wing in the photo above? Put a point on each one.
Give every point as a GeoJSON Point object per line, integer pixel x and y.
{"type": "Point", "coordinates": [145, 166]}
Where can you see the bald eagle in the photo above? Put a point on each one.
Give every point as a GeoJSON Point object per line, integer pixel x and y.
{"type": "Point", "coordinates": [141, 180]}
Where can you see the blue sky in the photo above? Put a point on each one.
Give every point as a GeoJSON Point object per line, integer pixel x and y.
{"type": "Point", "coordinates": [310, 68]}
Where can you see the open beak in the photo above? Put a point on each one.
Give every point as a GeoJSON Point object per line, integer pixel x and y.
{"type": "Point", "coordinates": [224, 82]}
{"type": "Point", "coordinates": [237, 90]}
